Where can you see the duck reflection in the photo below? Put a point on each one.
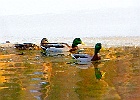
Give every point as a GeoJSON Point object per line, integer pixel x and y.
{"type": "Point", "coordinates": [98, 74]}
{"type": "Point", "coordinates": [89, 88]}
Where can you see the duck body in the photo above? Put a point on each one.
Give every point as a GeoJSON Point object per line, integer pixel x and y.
{"type": "Point", "coordinates": [54, 49]}
{"type": "Point", "coordinates": [96, 57]}
{"type": "Point", "coordinates": [82, 58]}
{"type": "Point", "coordinates": [85, 58]}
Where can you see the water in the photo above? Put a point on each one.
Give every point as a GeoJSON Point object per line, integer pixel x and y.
{"type": "Point", "coordinates": [89, 41]}
{"type": "Point", "coordinates": [24, 78]}
{"type": "Point", "coordinates": [35, 77]}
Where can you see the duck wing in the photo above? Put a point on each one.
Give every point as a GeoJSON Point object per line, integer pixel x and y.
{"type": "Point", "coordinates": [82, 58]}
{"type": "Point", "coordinates": [55, 49]}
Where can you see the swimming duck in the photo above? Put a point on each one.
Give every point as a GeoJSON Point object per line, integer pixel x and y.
{"type": "Point", "coordinates": [54, 49]}
{"type": "Point", "coordinates": [98, 46]}
{"type": "Point", "coordinates": [85, 58]}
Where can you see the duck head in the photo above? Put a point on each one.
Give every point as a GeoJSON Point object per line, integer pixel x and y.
{"type": "Point", "coordinates": [76, 41]}
{"type": "Point", "coordinates": [44, 41]}
{"type": "Point", "coordinates": [98, 46]}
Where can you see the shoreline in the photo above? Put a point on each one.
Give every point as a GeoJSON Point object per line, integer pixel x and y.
{"type": "Point", "coordinates": [112, 41]}
{"type": "Point", "coordinates": [81, 46]}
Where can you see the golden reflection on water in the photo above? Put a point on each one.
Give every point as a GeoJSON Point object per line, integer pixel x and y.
{"type": "Point", "coordinates": [92, 86]}
{"type": "Point", "coordinates": [26, 80]}
{"type": "Point", "coordinates": [33, 77]}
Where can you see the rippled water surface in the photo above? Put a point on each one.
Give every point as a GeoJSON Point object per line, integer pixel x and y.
{"type": "Point", "coordinates": [24, 77]}
{"type": "Point", "coordinates": [32, 76]}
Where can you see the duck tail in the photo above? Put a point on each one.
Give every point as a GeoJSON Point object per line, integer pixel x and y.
{"type": "Point", "coordinates": [73, 56]}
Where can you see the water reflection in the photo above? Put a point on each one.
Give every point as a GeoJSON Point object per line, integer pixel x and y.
{"type": "Point", "coordinates": [126, 80]}
{"type": "Point", "coordinates": [89, 87]}
{"type": "Point", "coordinates": [24, 81]}
{"type": "Point", "coordinates": [30, 79]}
{"type": "Point", "coordinates": [98, 73]}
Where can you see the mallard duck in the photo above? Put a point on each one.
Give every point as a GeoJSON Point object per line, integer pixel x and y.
{"type": "Point", "coordinates": [98, 46]}
{"type": "Point", "coordinates": [85, 58]}
{"type": "Point", "coordinates": [52, 49]}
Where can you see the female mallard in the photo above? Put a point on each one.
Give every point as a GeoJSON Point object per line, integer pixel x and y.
{"type": "Point", "coordinates": [85, 58]}
{"type": "Point", "coordinates": [44, 41]}
{"type": "Point", "coordinates": [52, 49]}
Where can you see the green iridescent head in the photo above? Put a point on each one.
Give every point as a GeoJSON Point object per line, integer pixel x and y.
{"type": "Point", "coordinates": [98, 46]}
{"type": "Point", "coordinates": [76, 41]}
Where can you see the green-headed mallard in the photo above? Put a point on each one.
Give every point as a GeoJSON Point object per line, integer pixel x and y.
{"type": "Point", "coordinates": [52, 49]}
{"type": "Point", "coordinates": [85, 58]}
